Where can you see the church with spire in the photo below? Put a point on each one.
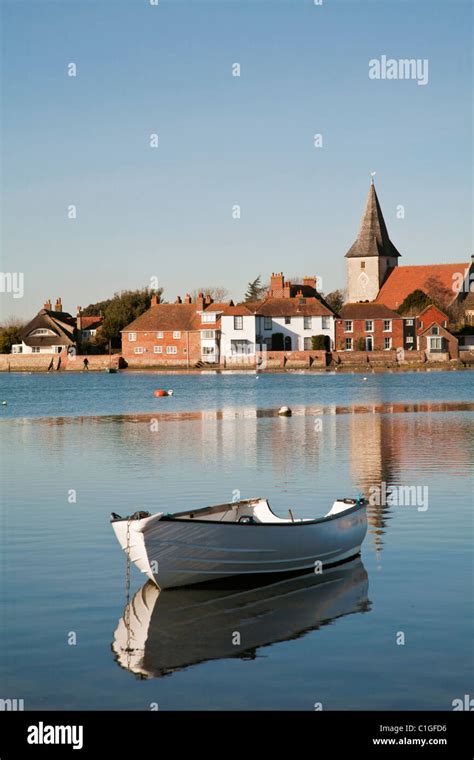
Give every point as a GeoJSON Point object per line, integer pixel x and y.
{"type": "Point", "coordinates": [373, 271]}
{"type": "Point", "coordinates": [376, 315]}
{"type": "Point", "coordinates": [372, 256]}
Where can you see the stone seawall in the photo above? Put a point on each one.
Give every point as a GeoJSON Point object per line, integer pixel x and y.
{"type": "Point", "coordinates": [338, 361]}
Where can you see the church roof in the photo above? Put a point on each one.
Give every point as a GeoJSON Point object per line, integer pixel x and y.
{"type": "Point", "coordinates": [401, 281]}
{"type": "Point", "coordinates": [372, 239]}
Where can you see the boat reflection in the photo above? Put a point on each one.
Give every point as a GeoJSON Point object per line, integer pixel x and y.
{"type": "Point", "coordinates": [164, 631]}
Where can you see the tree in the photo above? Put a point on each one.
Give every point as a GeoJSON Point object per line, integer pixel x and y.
{"type": "Point", "coordinates": [10, 333]}
{"type": "Point", "coordinates": [335, 300]}
{"type": "Point", "coordinates": [440, 294]}
{"type": "Point", "coordinates": [320, 343]}
{"type": "Point", "coordinates": [218, 293]}
{"type": "Point", "coordinates": [255, 290]}
{"type": "Point", "coordinates": [415, 302]}
{"type": "Point", "coordinates": [120, 310]}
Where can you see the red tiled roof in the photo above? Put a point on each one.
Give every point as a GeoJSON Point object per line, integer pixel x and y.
{"type": "Point", "coordinates": [172, 316]}
{"type": "Point", "coordinates": [293, 307]}
{"type": "Point", "coordinates": [242, 309]}
{"type": "Point", "coordinates": [402, 281]}
{"type": "Point", "coordinates": [91, 323]}
{"type": "Point", "coordinates": [369, 310]}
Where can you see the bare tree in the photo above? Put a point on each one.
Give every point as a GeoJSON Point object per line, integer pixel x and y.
{"type": "Point", "coordinates": [218, 293]}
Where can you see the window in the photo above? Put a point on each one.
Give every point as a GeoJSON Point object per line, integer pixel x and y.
{"type": "Point", "coordinates": [307, 323]}
{"type": "Point", "coordinates": [132, 336]}
{"type": "Point", "coordinates": [435, 330]}
{"type": "Point", "coordinates": [348, 325]}
{"type": "Point", "coordinates": [267, 323]}
{"type": "Point", "coordinates": [35, 349]}
{"type": "Point", "coordinates": [409, 322]}
{"type": "Point", "coordinates": [409, 338]}
{"type": "Point", "coordinates": [159, 335]}
{"type": "Point", "coordinates": [238, 323]}
{"type": "Point", "coordinates": [362, 264]}
{"type": "Point", "coordinates": [157, 349]}
{"type": "Point", "coordinates": [176, 334]}
{"type": "Point", "coordinates": [326, 323]}
{"type": "Point", "coordinates": [206, 350]}
{"type": "Point", "coordinates": [139, 350]}
{"type": "Point", "coordinates": [209, 318]}
{"type": "Point", "coordinates": [348, 344]}
{"type": "Point", "coordinates": [208, 335]}
{"type": "Point", "coordinates": [308, 344]}
{"type": "Point", "coordinates": [287, 320]}
{"type": "Point", "coordinates": [387, 325]}
{"type": "Point", "coordinates": [369, 325]}
{"type": "Point", "coordinates": [421, 323]}
{"type": "Point", "coordinates": [445, 323]}
{"type": "Point", "coordinates": [42, 331]}
{"type": "Point", "coordinates": [387, 343]}
{"type": "Point", "coordinates": [436, 344]}
{"type": "Point", "coordinates": [171, 350]}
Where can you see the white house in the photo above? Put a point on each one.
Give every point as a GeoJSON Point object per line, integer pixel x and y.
{"type": "Point", "coordinates": [48, 333]}
{"type": "Point", "coordinates": [277, 324]}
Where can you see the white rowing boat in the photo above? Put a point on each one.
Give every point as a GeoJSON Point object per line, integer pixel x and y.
{"type": "Point", "coordinates": [164, 631]}
{"type": "Point", "coordinates": [240, 538]}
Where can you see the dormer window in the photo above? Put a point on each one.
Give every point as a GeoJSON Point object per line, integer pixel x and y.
{"type": "Point", "coordinates": [40, 331]}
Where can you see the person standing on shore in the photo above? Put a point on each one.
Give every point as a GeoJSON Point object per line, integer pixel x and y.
{"type": "Point", "coordinates": [86, 363]}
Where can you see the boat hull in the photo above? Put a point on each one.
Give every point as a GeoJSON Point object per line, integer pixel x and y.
{"type": "Point", "coordinates": [176, 553]}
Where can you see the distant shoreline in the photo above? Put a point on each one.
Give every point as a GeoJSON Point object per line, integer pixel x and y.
{"type": "Point", "coordinates": [344, 370]}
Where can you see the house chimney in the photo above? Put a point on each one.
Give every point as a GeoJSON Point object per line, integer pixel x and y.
{"type": "Point", "coordinates": [78, 319]}
{"type": "Point", "coordinates": [200, 302]}
{"type": "Point", "coordinates": [154, 300]}
{"type": "Point", "coordinates": [47, 305]}
{"type": "Point", "coordinates": [58, 306]}
{"type": "Point", "coordinates": [277, 283]}
{"type": "Point", "coordinates": [208, 300]}
{"type": "Point", "coordinates": [187, 298]}
{"type": "Point", "coordinates": [309, 282]}
{"type": "Point", "coordinates": [178, 299]}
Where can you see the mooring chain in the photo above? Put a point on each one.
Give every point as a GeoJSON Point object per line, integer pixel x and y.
{"type": "Point", "coordinates": [127, 593]}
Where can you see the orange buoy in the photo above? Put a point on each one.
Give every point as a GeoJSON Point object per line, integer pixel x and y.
{"type": "Point", "coordinates": [160, 392]}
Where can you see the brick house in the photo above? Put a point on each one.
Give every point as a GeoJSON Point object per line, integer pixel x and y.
{"type": "Point", "coordinates": [438, 343]}
{"type": "Point", "coordinates": [415, 322]}
{"type": "Point", "coordinates": [87, 327]}
{"type": "Point", "coordinates": [368, 327]}
{"type": "Point", "coordinates": [184, 333]}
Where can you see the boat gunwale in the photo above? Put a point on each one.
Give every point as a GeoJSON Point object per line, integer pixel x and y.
{"type": "Point", "coordinates": [359, 505]}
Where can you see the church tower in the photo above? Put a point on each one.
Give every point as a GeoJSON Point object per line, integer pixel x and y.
{"type": "Point", "coordinates": [372, 255]}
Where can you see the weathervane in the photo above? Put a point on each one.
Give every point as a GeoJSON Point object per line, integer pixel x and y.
{"type": "Point", "coordinates": [372, 174]}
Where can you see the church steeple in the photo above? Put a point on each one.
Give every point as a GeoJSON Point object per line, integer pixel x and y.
{"type": "Point", "coordinates": [373, 239]}
{"type": "Point", "coordinates": [372, 256]}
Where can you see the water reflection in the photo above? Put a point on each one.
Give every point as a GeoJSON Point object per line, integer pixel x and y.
{"type": "Point", "coordinates": [161, 632]}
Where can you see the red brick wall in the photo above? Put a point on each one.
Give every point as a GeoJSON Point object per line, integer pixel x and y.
{"type": "Point", "coordinates": [450, 340]}
{"type": "Point", "coordinates": [378, 334]}
{"type": "Point", "coordinates": [188, 348]}
{"type": "Point", "coordinates": [432, 314]}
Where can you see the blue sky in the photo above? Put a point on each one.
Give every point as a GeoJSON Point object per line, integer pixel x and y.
{"type": "Point", "coordinates": [225, 140]}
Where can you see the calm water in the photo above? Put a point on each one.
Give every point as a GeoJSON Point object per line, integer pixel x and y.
{"type": "Point", "coordinates": [334, 642]}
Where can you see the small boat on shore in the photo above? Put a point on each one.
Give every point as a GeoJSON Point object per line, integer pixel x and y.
{"type": "Point", "coordinates": [241, 538]}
